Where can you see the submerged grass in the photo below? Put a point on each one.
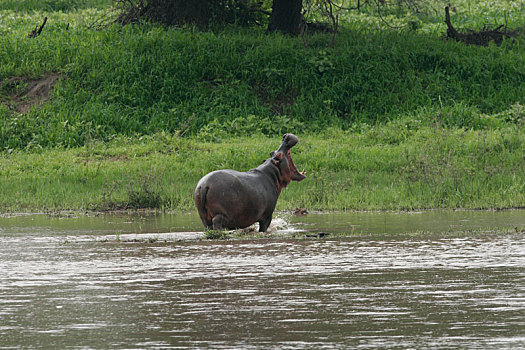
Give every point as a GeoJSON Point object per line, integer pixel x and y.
{"type": "Point", "coordinates": [452, 233]}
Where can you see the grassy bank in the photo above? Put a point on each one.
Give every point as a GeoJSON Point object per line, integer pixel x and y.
{"type": "Point", "coordinates": [132, 117]}
{"type": "Point", "coordinates": [145, 79]}
{"type": "Point", "coordinates": [396, 166]}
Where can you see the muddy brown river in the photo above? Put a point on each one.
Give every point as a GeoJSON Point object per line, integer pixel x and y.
{"type": "Point", "coordinates": [436, 279]}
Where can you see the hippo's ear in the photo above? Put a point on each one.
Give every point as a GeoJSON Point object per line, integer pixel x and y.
{"type": "Point", "coordinates": [272, 154]}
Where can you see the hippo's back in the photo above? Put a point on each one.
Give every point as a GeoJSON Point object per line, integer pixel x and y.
{"type": "Point", "coordinates": [222, 180]}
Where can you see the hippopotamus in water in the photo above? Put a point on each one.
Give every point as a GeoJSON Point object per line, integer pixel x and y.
{"type": "Point", "coordinates": [229, 199]}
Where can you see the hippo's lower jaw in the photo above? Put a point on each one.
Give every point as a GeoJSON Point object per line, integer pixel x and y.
{"type": "Point", "coordinates": [228, 199]}
{"type": "Point", "coordinates": [296, 175]}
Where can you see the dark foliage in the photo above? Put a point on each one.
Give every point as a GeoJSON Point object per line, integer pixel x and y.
{"type": "Point", "coordinates": [202, 13]}
{"type": "Point", "coordinates": [286, 16]}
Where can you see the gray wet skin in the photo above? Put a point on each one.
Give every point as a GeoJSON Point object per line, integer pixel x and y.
{"type": "Point", "coordinates": [229, 199]}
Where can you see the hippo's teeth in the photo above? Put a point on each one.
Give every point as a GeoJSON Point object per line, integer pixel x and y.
{"type": "Point", "coordinates": [303, 172]}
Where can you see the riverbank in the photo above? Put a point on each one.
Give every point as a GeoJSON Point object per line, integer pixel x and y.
{"type": "Point", "coordinates": [397, 166]}
{"type": "Point", "coordinates": [72, 85]}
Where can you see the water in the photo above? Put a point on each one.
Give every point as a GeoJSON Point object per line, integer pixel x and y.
{"type": "Point", "coordinates": [68, 282]}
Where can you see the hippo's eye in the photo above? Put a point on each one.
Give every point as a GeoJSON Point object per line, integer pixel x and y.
{"type": "Point", "coordinates": [272, 154]}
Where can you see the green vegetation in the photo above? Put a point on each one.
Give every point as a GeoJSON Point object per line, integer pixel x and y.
{"type": "Point", "coordinates": [386, 119]}
{"type": "Point", "coordinates": [52, 5]}
{"type": "Point", "coordinates": [216, 234]}
{"type": "Point", "coordinates": [400, 165]}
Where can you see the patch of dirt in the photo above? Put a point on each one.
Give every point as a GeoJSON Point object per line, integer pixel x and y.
{"type": "Point", "coordinates": [24, 93]}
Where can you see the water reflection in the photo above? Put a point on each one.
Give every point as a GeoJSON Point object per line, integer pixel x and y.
{"type": "Point", "coordinates": [466, 292]}
{"type": "Point", "coordinates": [432, 221]}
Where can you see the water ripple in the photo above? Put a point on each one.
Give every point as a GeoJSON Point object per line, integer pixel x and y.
{"type": "Point", "coordinates": [404, 293]}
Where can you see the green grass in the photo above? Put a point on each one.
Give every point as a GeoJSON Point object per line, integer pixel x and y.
{"type": "Point", "coordinates": [387, 119]}
{"type": "Point", "coordinates": [398, 166]}
{"type": "Point", "coordinates": [52, 5]}
{"type": "Point", "coordinates": [144, 79]}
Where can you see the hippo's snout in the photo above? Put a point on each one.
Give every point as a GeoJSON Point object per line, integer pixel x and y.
{"type": "Point", "coordinates": [289, 140]}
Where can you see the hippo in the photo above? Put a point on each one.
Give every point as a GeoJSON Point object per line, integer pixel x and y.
{"type": "Point", "coordinates": [229, 199]}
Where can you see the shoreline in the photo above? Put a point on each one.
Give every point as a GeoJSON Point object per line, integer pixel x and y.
{"type": "Point", "coordinates": [150, 212]}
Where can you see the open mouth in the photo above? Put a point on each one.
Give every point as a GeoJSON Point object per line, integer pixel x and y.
{"type": "Point", "coordinates": [296, 175]}
{"type": "Point", "coordinates": [290, 140]}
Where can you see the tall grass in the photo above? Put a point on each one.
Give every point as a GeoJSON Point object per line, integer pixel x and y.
{"type": "Point", "coordinates": [397, 166]}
